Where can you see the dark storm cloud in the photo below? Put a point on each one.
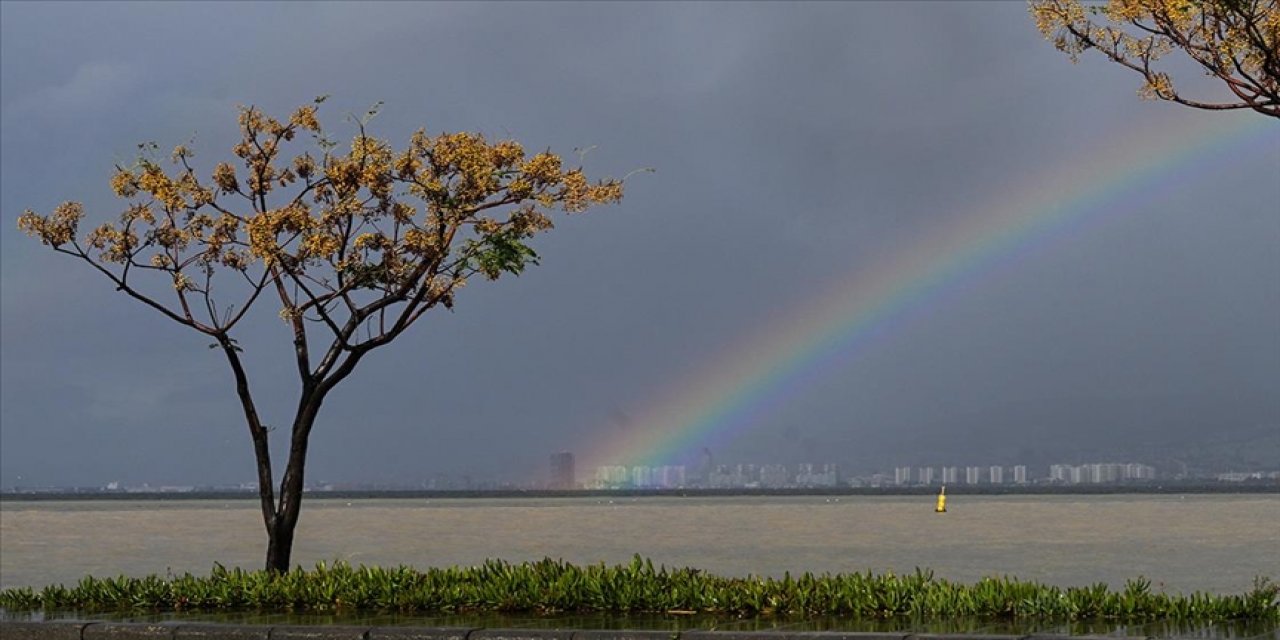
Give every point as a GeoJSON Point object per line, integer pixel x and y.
{"type": "Point", "coordinates": [790, 143]}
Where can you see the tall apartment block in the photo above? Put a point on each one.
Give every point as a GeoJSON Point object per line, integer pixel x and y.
{"type": "Point", "coordinates": [562, 471]}
{"type": "Point", "coordinates": [1100, 472]}
{"type": "Point", "coordinates": [774, 475]}
{"type": "Point", "coordinates": [817, 475]}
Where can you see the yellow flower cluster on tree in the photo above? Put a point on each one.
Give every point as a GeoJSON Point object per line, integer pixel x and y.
{"type": "Point", "coordinates": [319, 245]}
{"type": "Point", "coordinates": [123, 183]}
{"type": "Point", "coordinates": [56, 229]}
{"type": "Point", "coordinates": [1237, 41]}
{"type": "Point", "coordinates": [305, 117]}
{"type": "Point", "coordinates": [115, 245]}
{"type": "Point", "coordinates": [266, 228]}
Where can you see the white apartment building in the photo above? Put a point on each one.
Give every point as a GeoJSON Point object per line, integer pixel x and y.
{"type": "Point", "coordinates": [1138, 471]}
{"type": "Point", "coordinates": [612, 477]}
{"type": "Point", "coordinates": [726, 477]}
{"type": "Point", "coordinates": [814, 475]}
{"type": "Point", "coordinates": [668, 476]}
{"type": "Point", "coordinates": [1101, 472]}
{"type": "Point", "coordinates": [774, 475]}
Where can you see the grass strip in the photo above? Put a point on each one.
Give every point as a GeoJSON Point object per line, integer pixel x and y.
{"type": "Point", "coordinates": [554, 586]}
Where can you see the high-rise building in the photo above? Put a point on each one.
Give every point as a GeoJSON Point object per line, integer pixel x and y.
{"type": "Point", "coordinates": [1101, 472]}
{"type": "Point", "coordinates": [774, 475]}
{"type": "Point", "coordinates": [1020, 474]}
{"type": "Point", "coordinates": [926, 475]}
{"type": "Point", "coordinates": [722, 477]}
{"type": "Point", "coordinates": [996, 474]}
{"type": "Point", "coordinates": [667, 476]}
{"type": "Point", "coordinates": [902, 476]}
{"type": "Point", "coordinates": [950, 475]}
{"type": "Point", "coordinates": [817, 475]}
{"type": "Point", "coordinates": [562, 471]}
{"type": "Point", "coordinates": [706, 467]}
{"type": "Point", "coordinates": [1104, 472]}
{"type": "Point", "coordinates": [613, 477]}
{"type": "Point", "coordinates": [971, 475]}
{"type": "Point", "coordinates": [1138, 471]}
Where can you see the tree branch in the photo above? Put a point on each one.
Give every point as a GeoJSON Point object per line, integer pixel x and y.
{"type": "Point", "coordinates": [257, 432]}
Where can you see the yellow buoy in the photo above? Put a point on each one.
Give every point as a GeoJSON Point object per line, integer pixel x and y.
{"type": "Point", "coordinates": [942, 501]}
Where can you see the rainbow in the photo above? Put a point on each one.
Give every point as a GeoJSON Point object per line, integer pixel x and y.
{"type": "Point", "coordinates": [764, 368]}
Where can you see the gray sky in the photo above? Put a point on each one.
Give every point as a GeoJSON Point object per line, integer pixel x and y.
{"type": "Point", "coordinates": [793, 145]}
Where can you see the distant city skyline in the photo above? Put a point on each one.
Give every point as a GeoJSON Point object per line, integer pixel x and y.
{"type": "Point", "coordinates": [562, 474]}
{"type": "Point", "coordinates": [727, 477]}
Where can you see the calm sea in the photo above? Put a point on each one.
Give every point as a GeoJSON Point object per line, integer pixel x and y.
{"type": "Point", "coordinates": [1214, 543]}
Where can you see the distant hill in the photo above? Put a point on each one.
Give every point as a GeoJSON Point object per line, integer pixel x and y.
{"type": "Point", "coordinates": [1206, 434]}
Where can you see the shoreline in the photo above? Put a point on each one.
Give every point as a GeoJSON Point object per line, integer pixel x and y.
{"type": "Point", "coordinates": [414, 494]}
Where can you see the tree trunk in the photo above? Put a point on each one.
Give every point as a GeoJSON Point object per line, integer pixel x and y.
{"type": "Point", "coordinates": [280, 511]}
{"type": "Point", "coordinates": [262, 456]}
{"type": "Point", "coordinates": [279, 546]}
{"type": "Point", "coordinates": [280, 527]}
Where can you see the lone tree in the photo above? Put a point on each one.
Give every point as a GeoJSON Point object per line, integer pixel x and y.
{"type": "Point", "coordinates": [355, 246]}
{"type": "Point", "coordinates": [1237, 41]}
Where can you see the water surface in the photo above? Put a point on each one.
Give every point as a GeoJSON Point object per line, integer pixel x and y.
{"type": "Point", "coordinates": [1213, 543]}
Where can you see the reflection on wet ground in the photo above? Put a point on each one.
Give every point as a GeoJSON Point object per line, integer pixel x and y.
{"type": "Point", "coordinates": [1254, 630]}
